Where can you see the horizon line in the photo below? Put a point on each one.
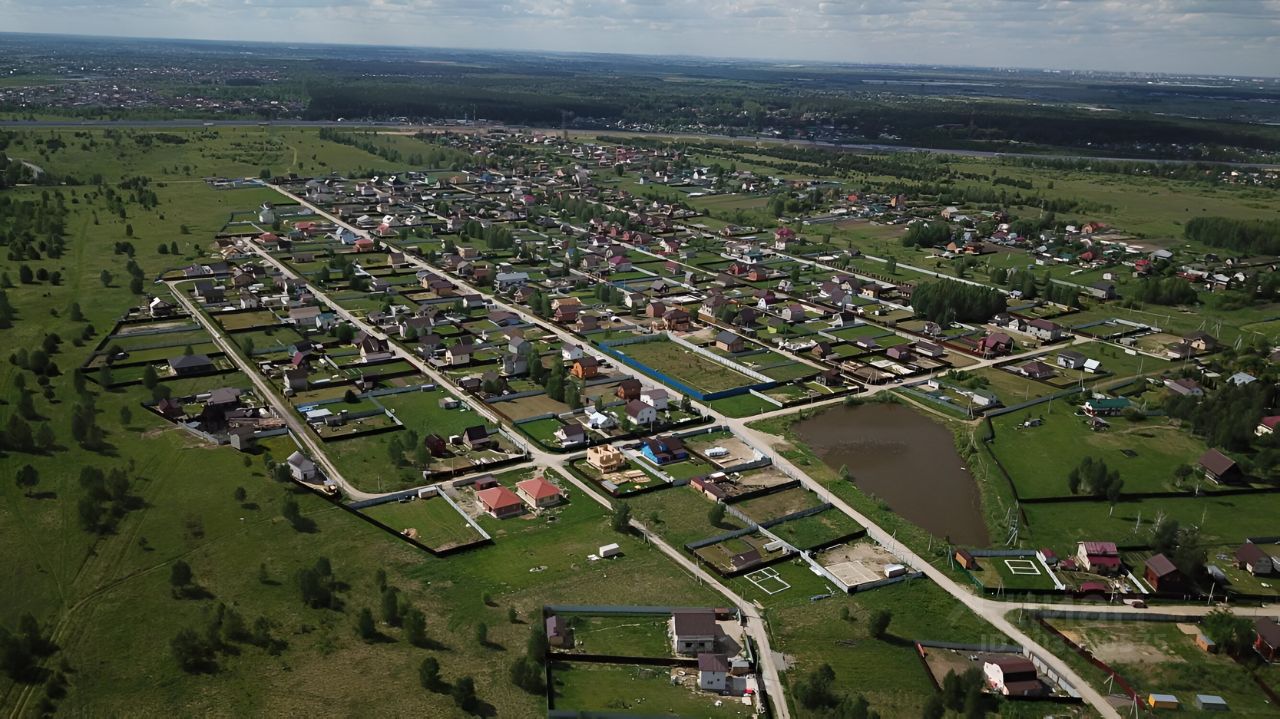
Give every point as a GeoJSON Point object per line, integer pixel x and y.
{"type": "Point", "coordinates": [584, 53]}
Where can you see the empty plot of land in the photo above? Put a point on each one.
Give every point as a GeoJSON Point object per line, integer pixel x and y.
{"type": "Point", "coordinates": [431, 521]}
{"type": "Point", "coordinates": [857, 563]}
{"type": "Point", "coordinates": [1022, 566]}
{"type": "Point", "coordinates": [768, 581]}
{"type": "Point", "coordinates": [778, 504]}
{"type": "Point", "coordinates": [685, 366]}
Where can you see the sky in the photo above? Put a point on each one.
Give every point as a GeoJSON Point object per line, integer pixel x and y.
{"type": "Point", "coordinates": [1230, 37]}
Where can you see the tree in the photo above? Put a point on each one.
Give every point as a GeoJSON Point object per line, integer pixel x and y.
{"type": "Point", "coordinates": [391, 606]}
{"type": "Point", "coordinates": [415, 627]}
{"type": "Point", "coordinates": [429, 675]}
{"type": "Point", "coordinates": [620, 520]}
{"type": "Point", "coordinates": [878, 625]}
{"type": "Point", "coordinates": [365, 626]}
{"type": "Point", "coordinates": [464, 694]}
{"type": "Point", "coordinates": [126, 416]}
{"type": "Point", "coordinates": [25, 275]}
{"type": "Point", "coordinates": [105, 277]}
{"type": "Point", "coordinates": [191, 652]}
{"type": "Point", "coordinates": [934, 708]}
{"type": "Point", "coordinates": [482, 634]}
{"type": "Point", "coordinates": [17, 435]}
{"type": "Point", "coordinates": [239, 495]}
{"type": "Point", "coordinates": [27, 478]}
{"type": "Point", "coordinates": [891, 266]}
{"type": "Point", "coordinates": [813, 690]}
{"type": "Point", "coordinates": [180, 577]}
{"type": "Point", "coordinates": [1233, 634]}
{"type": "Point", "coordinates": [715, 515]}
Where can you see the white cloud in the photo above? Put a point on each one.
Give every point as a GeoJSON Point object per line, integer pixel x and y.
{"type": "Point", "coordinates": [1213, 36]}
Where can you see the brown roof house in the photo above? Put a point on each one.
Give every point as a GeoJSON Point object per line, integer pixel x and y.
{"type": "Point", "coordinates": [1219, 467]}
{"type": "Point", "coordinates": [694, 631]}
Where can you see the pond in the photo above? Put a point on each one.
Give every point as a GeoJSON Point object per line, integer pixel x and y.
{"type": "Point", "coordinates": [906, 459]}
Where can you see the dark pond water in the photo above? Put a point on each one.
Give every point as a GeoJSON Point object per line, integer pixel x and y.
{"type": "Point", "coordinates": [906, 459]}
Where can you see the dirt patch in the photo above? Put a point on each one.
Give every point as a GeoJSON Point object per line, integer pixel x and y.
{"type": "Point", "coordinates": [1117, 650]}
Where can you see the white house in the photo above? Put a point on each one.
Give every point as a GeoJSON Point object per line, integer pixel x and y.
{"type": "Point", "coordinates": [600, 420]}
{"type": "Point", "coordinates": [570, 352]}
{"type": "Point", "coordinates": [656, 398]}
{"type": "Point", "coordinates": [641, 413]}
{"type": "Point", "coordinates": [713, 672]}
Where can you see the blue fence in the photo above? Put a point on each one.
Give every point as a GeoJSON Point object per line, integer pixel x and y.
{"type": "Point", "coordinates": [679, 386]}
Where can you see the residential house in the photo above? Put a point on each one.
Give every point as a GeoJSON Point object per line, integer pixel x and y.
{"type": "Point", "coordinates": [676, 320]}
{"type": "Point", "coordinates": [571, 434]}
{"type": "Point", "coordinates": [1219, 467]}
{"type": "Point", "coordinates": [459, 354]}
{"type": "Point", "coordinates": [585, 367]}
{"type": "Point", "coordinates": [655, 397]}
{"type": "Point", "coordinates": [929, 349]}
{"type": "Point", "coordinates": [1044, 330]}
{"type": "Point", "coordinates": [1037, 370]}
{"type": "Point", "coordinates": [1070, 359]}
{"type": "Point", "coordinates": [301, 468]}
{"type": "Point", "coordinates": [606, 458]}
{"type": "Point", "coordinates": [995, 344]}
{"type": "Point", "coordinates": [193, 364]}
{"type": "Point", "coordinates": [727, 341]}
{"type": "Point", "coordinates": [1012, 676]}
{"type": "Point", "coordinates": [1251, 558]}
{"type": "Point", "coordinates": [694, 631]}
{"type": "Point", "coordinates": [628, 389]}
{"type": "Point", "coordinates": [1160, 573]}
{"type": "Point", "coordinates": [538, 493]}
{"type": "Point", "coordinates": [500, 502]}
{"type": "Point", "coordinates": [478, 437]}
{"type": "Point", "coordinates": [640, 413]}
{"type": "Point", "coordinates": [713, 672]}
{"type": "Point", "coordinates": [664, 449]}
{"type": "Point", "coordinates": [1099, 557]}
{"type": "Point", "coordinates": [1184, 386]}
{"type": "Point", "coordinates": [1105, 406]}
{"type": "Point", "coordinates": [1102, 290]}
{"type": "Point", "coordinates": [570, 352]}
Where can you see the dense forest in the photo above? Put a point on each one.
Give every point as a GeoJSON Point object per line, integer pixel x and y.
{"type": "Point", "coordinates": [949, 301]}
{"type": "Point", "coordinates": [1253, 237]}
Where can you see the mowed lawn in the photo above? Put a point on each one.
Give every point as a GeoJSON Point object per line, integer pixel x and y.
{"type": "Point", "coordinates": [1146, 453]}
{"type": "Point", "coordinates": [629, 635]}
{"type": "Point", "coordinates": [679, 363]}
{"type": "Point", "coordinates": [439, 525]}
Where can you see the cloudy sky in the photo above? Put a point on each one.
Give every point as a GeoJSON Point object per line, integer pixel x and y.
{"type": "Point", "coordinates": [1206, 36]}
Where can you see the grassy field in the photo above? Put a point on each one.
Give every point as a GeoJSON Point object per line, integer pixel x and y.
{"type": "Point", "coordinates": [439, 526]}
{"type": "Point", "coordinates": [887, 671]}
{"type": "Point", "coordinates": [1038, 458]}
{"type": "Point", "coordinates": [106, 597]}
{"type": "Point", "coordinates": [743, 405]}
{"type": "Point", "coordinates": [685, 366]}
{"type": "Point", "coordinates": [640, 635]}
{"type": "Point", "coordinates": [1226, 520]}
{"type": "Point", "coordinates": [777, 504]}
{"type": "Point", "coordinates": [645, 691]}
{"type": "Point", "coordinates": [817, 529]}
{"type": "Point", "coordinates": [1160, 657]}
